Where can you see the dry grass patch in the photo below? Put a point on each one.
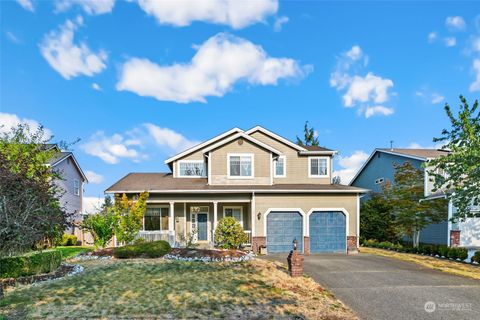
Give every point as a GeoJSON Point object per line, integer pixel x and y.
{"type": "Point", "coordinates": [444, 265]}
{"type": "Point", "coordinates": [172, 289]}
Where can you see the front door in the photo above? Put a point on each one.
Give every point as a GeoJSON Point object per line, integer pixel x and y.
{"type": "Point", "coordinates": [202, 226]}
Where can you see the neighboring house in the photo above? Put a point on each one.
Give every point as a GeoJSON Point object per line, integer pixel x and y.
{"type": "Point", "coordinates": [277, 190]}
{"type": "Point", "coordinates": [379, 168]}
{"type": "Point", "coordinates": [71, 185]}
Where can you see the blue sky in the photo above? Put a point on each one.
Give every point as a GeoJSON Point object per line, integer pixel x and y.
{"type": "Point", "coordinates": [139, 81]}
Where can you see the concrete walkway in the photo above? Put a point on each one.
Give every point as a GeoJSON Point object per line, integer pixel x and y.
{"type": "Point", "coordinates": [377, 287]}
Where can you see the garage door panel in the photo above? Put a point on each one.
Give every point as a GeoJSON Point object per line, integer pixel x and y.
{"type": "Point", "coordinates": [282, 228]}
{"type": "Point", "coordinates": [327, 232]}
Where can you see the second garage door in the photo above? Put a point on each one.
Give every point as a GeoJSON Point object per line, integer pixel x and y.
{"type": "Point", "coordinates": [282, 228]}
{"type": "Point", "coordinates": [327, 232]}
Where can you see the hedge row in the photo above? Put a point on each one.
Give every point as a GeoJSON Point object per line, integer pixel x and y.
{"type": "Point", "coordinates": [427, 249]}
{"type": "Point", "coordinates": [155, 249]}
{"type": "Point", "coordinates": [68, 240]}
{"type": "Point", "coordinates": [30, 264]}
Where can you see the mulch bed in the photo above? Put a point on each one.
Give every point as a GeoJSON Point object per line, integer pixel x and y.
{"type": "Point", "coordinates": [62, 271]}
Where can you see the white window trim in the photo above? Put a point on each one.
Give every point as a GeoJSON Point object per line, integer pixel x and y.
{"type": "Point", "coordinates": [251, 155]}
{"type": "Point", "coordinates": [76, 185]}
{"type": "Point", "coordinates": [179, 175]}
{"type": "Point", "coordinates": [284, 175]}
{"type": "Point", "coordinates": [310, 175]}
{"type": "Point", "coordinates": [155, 206]}
{"type": "Point", "coordinates": [235, 207]}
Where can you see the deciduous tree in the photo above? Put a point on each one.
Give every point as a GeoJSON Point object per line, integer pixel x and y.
{"type": "Point", "coordinates": [129, 215]}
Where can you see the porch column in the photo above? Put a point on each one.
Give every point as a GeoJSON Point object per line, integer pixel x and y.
{"type": "Point", "coordinates": [215, 209]}
{"type": "Point", "coordinates": [171, 222]}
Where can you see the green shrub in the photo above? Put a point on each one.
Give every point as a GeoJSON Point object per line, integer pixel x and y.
{"type": "Point", "coordinates": [476, 257]}
{"type": "Point", "coordinates": [462, 253]}
{"type": "Point", "coordinates": [370, 243]}
{"type": "Point", "coordinates": [68, 240]}
{"type": "Point", "coordinates": [155, 249]}
{"type": "Point", "coordinates": [452, 253]}
{"type": "Point", "coordinates": [30, 264]}
{"type": "Point", "coordinates": [229, 234]}
{"type": "Point", "coordinates": [443, 251]}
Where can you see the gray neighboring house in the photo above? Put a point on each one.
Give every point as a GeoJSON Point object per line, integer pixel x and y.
{"type": "Point", "coordinates": [72, 182]}
{"type": "Point", "coordinates": [379, 168]}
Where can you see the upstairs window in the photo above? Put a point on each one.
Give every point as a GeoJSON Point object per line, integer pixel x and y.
{"type": "Point", "coordinates": [280, 170]}
{"type": "Point", "coordinates": [318, 167]}
{"type": "Point", "coordinates": [76, 187]}
{"type": "Point", "coordinates": [191, 168]}
{"type": "Point", "coordinates": [240, 165]}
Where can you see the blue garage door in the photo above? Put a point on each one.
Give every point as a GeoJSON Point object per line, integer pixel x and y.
{"type": "Point", "coordinates": [327, 232]}
{"type": "Point", "coordinates": [282, 228]}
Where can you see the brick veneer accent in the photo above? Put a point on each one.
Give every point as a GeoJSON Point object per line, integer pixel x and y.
{"type": "Point", "coordinates": [352, 245]}
{"type": "Point", "coordinates": [257, 242]}
{"type": "Point", "coordinates": [295, 264]}
{"type": "Point", "coordinates": [454, 238]}
{"type": "Point", "coordinates": [306, 245]}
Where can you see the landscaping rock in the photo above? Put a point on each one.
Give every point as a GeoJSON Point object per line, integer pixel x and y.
{"type": "Point", "coordinates": [205, 255]}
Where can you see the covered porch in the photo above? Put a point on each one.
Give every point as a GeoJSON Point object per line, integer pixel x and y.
{"type": "Point", "coordinates": [177, 219]}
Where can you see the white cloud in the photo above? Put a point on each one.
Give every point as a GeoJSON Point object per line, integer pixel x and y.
{"type": "Point", "coordinates": [218, 64]}
{"type": "Point", "coordinates": [450, 41]}
{"type": "Point", "coordinates": [70, 59]}
{"type": "Point", "coordinates": [12, 37]}
{"type": "Point", "coordinates": [10, 120]}
{"type": "Point", "coordinates": [92, 205]}
{"type": "Point", "coordinates": [432, 36]}
{"type": "Point", "coordinates": [165, 137]}
{"type": "Point", "coordinates": [368, 92]}
{"type": "Point", "coordinates": [279, 22]}
{"type": "Point", "coordinates": [455, 23]}
{"type": "Point", "coordinates": [96, 86]}
{"type": "Point", "coordinates": [237, 14]}
{"type": "Point", "coordinates": [350, 165]}
{"type": "Point", "coordinates": [93, 177]}
{"type": "Point", "coordinates": [91, 7]}
{"type": "Point", "coordinates": [475, 86]}
{"type": "Point", "coordinates": [26, 4]}
{"type": "Point", "coordinates": [378, 110]}
{"type": "Point", "coordinates": [110, 149]}
{"type": "Point", "coordinates": [437, 98]}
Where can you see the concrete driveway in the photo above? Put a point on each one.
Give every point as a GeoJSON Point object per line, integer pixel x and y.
{"type": "Point", "coordinates": [383, 288]}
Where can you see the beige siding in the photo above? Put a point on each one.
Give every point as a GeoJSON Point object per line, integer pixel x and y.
{"type": "Point", "coordinates": [305, 203]}
{"type": "Point", "coordinates": [262, 164]}
{"type": "Point", "coordinates": [297, 166]}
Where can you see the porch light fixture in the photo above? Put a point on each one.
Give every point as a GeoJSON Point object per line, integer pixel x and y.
{"type": "Point", "coordinates": [259, 215]}
{"type": "Point", "coordinates": [295, 244]}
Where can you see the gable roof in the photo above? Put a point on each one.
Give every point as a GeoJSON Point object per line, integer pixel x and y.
{"type": "Point", "coordinates": [63, 155]}
{"type": "Point", "coordinates": [275, 136]}
{"type": "Point", "coordinates": [416, 154]}
{"type": "Point", "coordinates": [246, 137]}
{"type": "Point", "coordinates": [201, 145]}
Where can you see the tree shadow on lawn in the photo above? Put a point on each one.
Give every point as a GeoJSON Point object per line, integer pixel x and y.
{"type": "Point", "coordinates": [143, 288]}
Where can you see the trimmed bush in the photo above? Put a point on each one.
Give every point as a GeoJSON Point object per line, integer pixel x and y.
{"type": "Point", "coordinates": [452, 253]}
{"type": "Point", "coordinates": [476, 257]}
{"type": "Point", "coordinates": [155, 249]}
{"type": "Point", "coordinates": [30, 264]}
{"type": "Point", "coordinates": [68, 240]}
{"type": "Point", "coordinates": [443, 251]}
{"type": "Point", "coordinates": [462, 253]}
{"type": "Point", "coordinates": [229, 234]}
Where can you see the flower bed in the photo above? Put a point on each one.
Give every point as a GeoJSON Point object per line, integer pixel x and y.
{"type": "Point", "coordinates": [101, 254]}
{"type": "Point", "coordinates": [436, 251]}
{"type": "Point", "coordinates": [206, 255]}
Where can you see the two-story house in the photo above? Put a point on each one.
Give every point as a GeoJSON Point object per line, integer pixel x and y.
{"type": "Point", "coordinates": [277, 190]}
{"type": "Point", "coordinates": [378, 169]}
{"type": "Point", "coordinates": [70, 185]}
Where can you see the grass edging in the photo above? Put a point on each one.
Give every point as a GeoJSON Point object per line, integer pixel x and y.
{"type": "Point", "coordinates": [445, 265]}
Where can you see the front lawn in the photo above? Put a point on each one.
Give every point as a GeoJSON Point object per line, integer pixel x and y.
{"type": "Point", "coordinates": [444, 265]}
{"type": "Point", "coordinates": [71, 251]}
{"type": "Point", "coordinates": [172, 289]}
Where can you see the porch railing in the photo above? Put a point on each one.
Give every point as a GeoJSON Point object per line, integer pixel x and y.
{"type": "Point", "coordinates": [156, 235]}
{"type": "Point", "coordinates": [249, 235]}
